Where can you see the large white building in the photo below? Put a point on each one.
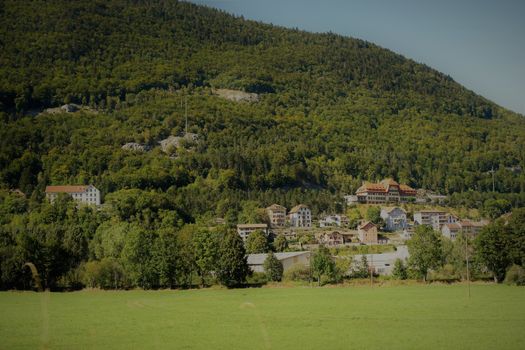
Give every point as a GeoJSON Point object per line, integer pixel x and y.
{"type": "Point", "coordinates": [386, 191]}
{"type": "Point", "coordinates": [395, 218]}
{"type": "Point", "coordinates": [468, 227]}
{"type": "Point", "coordinates": [433, 218]}
{"type": "Point", "coordinates": [84, 194]}
{"type": "Point", "coordinates": [300, 216]}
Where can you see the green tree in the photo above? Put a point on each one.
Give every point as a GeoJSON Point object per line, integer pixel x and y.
{"type": "Point", "coordinates": [362, 270]}
{"type": "Point", "coordinates": [280, 244]}
{"type": "Point", "coordinates": [322, 263]}
{"type": "Point", "coordinates": [273, 268]}
{"type": "Point", "coordinates": [400, 271]}
{"type": "Point", "coordinates": [257, 242]}
{"type": "Point", "coordinates": [232, 266]}
{"type": "Point", "coordinates": [373, 214]}
{"type": "Point", "coordinates": [494, 208]}
{"type": "Point", "coordinates": [206, 246]}
{"type": "Point", "coordinates": [492, 247]}
{"type": "Point", "coordinates": [425, 250]}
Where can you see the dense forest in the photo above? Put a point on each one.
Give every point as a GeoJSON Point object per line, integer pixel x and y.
{"type": "Point", "coordinates": [332, 111]}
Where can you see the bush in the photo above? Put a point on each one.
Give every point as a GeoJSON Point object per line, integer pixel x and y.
{"type": "Point", "coordinates": [106, 274]}
{"type": "Point", "coordinates": [515, 275]}
{"type": "Point", "coordinates": [298, 272]}
{"type": "Point", "coordinates": [257, 278]}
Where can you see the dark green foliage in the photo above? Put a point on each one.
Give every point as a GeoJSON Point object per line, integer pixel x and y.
{"type": "Point", "coordinates": [515, 275]}
{"type": "Point", "coordinates": [273, 268]}
{"type": "Point", "coordinates": [232, 265]}
{"type": "Point", "coordinates": [332, 112]}
{"type": "Point", "coordinates": [425, 250]}
{"type": "Point", "coordinates": [494, 208]}
{"type": "Point", "coordinates": [492, 247]}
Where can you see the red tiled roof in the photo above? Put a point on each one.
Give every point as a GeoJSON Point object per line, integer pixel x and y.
{"type": "Point", "coordinates": [66, 189]}
{"type": "Point", "coordinates": [366, 225]}
{"type": "Point", "coordinates": [383, 187]}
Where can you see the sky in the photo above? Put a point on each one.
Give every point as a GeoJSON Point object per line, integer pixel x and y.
{"type": "Point", "coordinates": [479, 43]}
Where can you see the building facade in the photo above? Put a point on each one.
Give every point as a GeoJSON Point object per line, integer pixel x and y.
{"type": "Point", "coordinates": [367, 232]}
{"type": "Point", "coordinates": [395, 218]}
{"type": "Point", "coordinates": [84, 194]}
{"type": "Point", "coordinates": [244, 230]}
{"type": "Point", "coordinates": [334, 220]}
{"type": "Point", "coordinates": [468, 227]}
{"type": "Point", "coordinates": [300, 216]}
{"type": "Point", "coordinates": [331, 239]}
{"type": "Point", "coordinates": [277, 215]}
{"type": "Point", "coordinates": [386, 191]}
{"type": "Point", "coordinates": [433, 218]}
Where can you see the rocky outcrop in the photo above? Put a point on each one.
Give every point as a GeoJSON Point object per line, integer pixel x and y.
{"type": "Point", "coordinates": [171, 143]}
{"type": "Point", "coordinates": [67, 108]}
{"type": "Point", "coordinates": [133, 146]}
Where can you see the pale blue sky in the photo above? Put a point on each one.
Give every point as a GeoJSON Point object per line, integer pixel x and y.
{"type": "Point", "coordinates": [480, 43]}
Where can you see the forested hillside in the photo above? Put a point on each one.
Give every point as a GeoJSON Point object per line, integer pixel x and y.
{"type": "Point", "coordinates": [331, 112]}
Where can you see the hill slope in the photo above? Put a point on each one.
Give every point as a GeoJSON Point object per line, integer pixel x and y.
{"type": "Point", "coordinates": [332, 110]}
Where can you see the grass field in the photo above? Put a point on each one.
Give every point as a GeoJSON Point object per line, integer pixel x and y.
{"type": "Point", "coordinates": [397, 317]}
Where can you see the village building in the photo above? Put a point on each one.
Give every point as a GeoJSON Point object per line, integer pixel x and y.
{"type": "Point", "coordinates": [88, 194]}
{"type": "Point", "coordinates": [244, 230]}
{"type": "Point", "coordinates": [289, 259]}
{"type": "Point", "coordinates": [367, 232]}
{"type": "Point", "coordinates": [386, 191]}
{"type": "Point", "coordinates": [334, 220]}
{"type": "Point", "coordinates": [433, 218]}
{"type": "Point", "coordinates": [468, 227]}
{"type": "Point", "coordinates": [331, 238]}
{"type": "Point", "coordinates": [300, 216]}
{"type": "Point", "coordinates": [395, 218]}
{"type": "Point", "coordinates": [277, 215]}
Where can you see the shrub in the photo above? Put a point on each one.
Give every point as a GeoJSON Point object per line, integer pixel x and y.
{"type": "Point", "coordinates": [257, 278]}
{"type": "Point", "coordinates": [298, 272]}
{"type": "Point", "coordinates": [515, 275]}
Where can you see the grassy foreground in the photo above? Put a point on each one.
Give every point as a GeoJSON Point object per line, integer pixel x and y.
{"type": "Point", "coordinates": [402, 317]}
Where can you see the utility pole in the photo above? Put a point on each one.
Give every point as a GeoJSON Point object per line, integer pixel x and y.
{"type": "Point", "coordinates": [186, 115]}
{"type": "Point", "coordinates": [493, 180]}
{"type": "Point", "coordinates": [468, 271]}
{"type": "Point", "coordinates": [371, 270]}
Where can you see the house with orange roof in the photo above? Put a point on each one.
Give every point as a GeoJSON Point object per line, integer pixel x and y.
{"type": "Point", "coordinates": [277, 215]}
{"type": "Point", "coordinates": [386, 191]}
{"type": "Point", "coordinates": [87, 194]}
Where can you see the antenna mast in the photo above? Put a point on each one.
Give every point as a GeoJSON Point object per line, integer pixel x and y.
{"type": "Point", "coordinates": [186, 115]}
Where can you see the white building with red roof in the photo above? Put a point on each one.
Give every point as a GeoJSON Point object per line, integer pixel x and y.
{"type": "Point", "coordinates": [87, 194]}
{"type": "Point", "coordinates": [300, 216]}
{"type": "Point", "coordinates": [386, 191]}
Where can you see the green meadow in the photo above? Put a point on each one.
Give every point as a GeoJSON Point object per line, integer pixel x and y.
{"type": "Point", "coordinates": [362, 317]}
